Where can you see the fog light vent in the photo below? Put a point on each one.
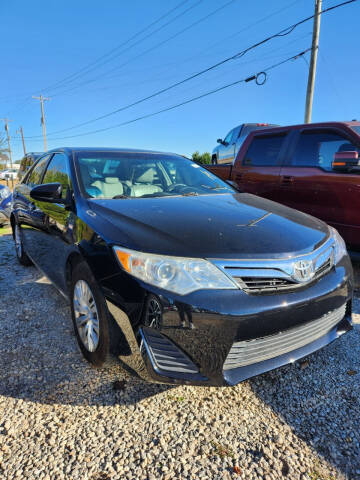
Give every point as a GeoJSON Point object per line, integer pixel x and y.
{"type": "Point", "coordinates": [164, 355]}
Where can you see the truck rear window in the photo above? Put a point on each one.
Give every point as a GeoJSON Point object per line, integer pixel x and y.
{"type": "Point", "coordinates": [264, 150]}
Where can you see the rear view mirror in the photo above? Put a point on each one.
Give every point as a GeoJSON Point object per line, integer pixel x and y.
{"type": "Point", "coordinates": [345, 161]}
{"type": "Point", "coordinates": [47, 192]}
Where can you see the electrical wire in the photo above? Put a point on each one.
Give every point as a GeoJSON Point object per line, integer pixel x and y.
{"type": "Point", "coordinates": [193, 99]}
{"type": "Point", "coordinates": [281, 33]}
{"type": "Point", "coordinates": [103, 58]}
{"type": "Point", "coordinates": [154, 47]}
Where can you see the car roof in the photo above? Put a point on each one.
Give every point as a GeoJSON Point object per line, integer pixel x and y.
{"type": "Point", "coordinates": [310, 125]}
{"type": "Point", "coordinates": [70, 150]}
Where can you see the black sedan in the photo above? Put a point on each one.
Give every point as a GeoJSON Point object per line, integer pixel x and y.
{"type": "Point", "coordinates": [181, 277]}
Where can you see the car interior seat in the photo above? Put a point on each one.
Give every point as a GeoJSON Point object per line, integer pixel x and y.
{"type": "Point", "coordinates": [109, 187]}
{"type": "Point", "coordinates": [143, 182]}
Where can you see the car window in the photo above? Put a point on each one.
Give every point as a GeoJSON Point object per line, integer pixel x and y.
{"type": "Point", "coordinates": [317, 149]}
{"type": "Point", "coordinates": [57, 171]}
{"type": "Point", "coordinates": [228, 137]}
{"type": "Point", "coordinates": [112, 174]}
{"type": "Point", "coordinates": [264, 150]}
{"type": "Point", "coordinates": [34, 177]}
{"type": "Point", "coordinates": [235, 134]}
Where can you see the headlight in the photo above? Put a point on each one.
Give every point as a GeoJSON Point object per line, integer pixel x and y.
{"type": "Point", "coordinates": [176, 274]}
{"type": "Point", "coordinates": [5, 192]}
{"type": "Point", "coordinates": [340, 247]}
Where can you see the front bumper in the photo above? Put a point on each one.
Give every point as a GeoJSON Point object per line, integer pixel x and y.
{"type": "Point", "coordinates": [192, 339]}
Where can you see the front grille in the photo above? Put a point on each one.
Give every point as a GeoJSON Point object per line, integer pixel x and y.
{"type": "Point", "coordinates": [257, 285]}
{"type": "Point", "coordinates": [273, 284]}
{"type": "Point", "coordinates": [248, 352]}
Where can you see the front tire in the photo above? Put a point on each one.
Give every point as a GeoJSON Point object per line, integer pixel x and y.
{"type": "Point", "coordinates": [90, 316]}
{"type": "Point", "coordinates": [19, 247]}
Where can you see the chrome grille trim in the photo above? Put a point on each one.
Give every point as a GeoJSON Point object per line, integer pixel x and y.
{"type": "Point", "coordinates": [273, 275]}
{"type": "Point", "coordinates": [247, 352]}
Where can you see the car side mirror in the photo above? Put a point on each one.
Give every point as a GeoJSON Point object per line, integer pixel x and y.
{"type": "Point", "coordinates": [221, 141]}
{"type": "Point", "coordinates": [345, 161]}
{"type": "Point", "coordinates": [48, 192]}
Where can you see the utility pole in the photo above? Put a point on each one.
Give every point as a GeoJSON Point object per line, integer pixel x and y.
{"type": "Point", "coordinates": [41, 98]}
{"type": "Point", "coordinates": [22, 138]}
{"type": "Point", "coordinates": [6, 120]}
{"type": "Point", "coordinates": [313, 61]}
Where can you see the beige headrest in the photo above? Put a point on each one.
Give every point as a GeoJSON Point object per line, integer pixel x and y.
{"type": "Point", "coordinates": [112, 180]}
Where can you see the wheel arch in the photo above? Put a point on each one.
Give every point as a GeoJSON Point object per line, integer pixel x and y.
{"type": "Point", "coordinates": [73, 259]}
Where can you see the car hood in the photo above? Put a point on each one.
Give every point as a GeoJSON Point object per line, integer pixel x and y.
{"type": "Point", "coordinates": [235, 225]}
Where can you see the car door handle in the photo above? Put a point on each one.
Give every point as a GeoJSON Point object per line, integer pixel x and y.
{"type": "Point", "coordinates": [287, 180]}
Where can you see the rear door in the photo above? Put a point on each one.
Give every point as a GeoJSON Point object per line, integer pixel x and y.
{"type": "Point", "coordinates": [258, 171]}
{"type": "Point", "coordinates": [309, 184]}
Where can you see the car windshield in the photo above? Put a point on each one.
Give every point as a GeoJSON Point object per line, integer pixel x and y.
{"type": "Point", "coordinates": [135, 175]}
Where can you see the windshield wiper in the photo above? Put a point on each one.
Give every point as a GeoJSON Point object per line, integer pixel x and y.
{"type": "Point", "coordinates": [218, 187]}
{"type": "Point", "coordinates": [120, 196]}
{"type": "Point", "coordinates": [189, 194]}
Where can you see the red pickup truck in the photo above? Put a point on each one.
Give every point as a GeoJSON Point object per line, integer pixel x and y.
{"type": "Point", "coordinates": [314, 168]}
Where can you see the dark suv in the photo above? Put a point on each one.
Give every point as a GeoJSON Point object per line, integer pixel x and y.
{"type": "Point", "coordinates": [173, 271]}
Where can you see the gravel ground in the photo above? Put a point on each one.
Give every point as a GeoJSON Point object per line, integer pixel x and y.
{"type": "Point", "coordinates": [62, 419]}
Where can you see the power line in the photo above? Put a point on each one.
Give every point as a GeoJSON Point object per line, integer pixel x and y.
{"type": "Point", "coordinates": [261, 74]}
{"type": "Point", "coordinates": [281, 33]}
{"type": "Point", "coordinates": [102, 58]}
{"type": "Point", "coordinates": [149, 49]}
{"type": "Point", "coordinates": [209, 47]}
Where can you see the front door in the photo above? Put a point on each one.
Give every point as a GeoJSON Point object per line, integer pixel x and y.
{"type": "Point", "coordinates": [309, 184]}
{"type": "Point", "coordinates": [227, 149]}
{"type": "Point", "coordinates": [55, 238]}
{"type": "Point", "coordinates": [29, 213]}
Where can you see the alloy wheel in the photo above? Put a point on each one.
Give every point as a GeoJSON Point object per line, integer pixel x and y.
{"type": "Point", "coordinates": [154, 314]}
{"type": "Point", "coordinates": [86, 315]}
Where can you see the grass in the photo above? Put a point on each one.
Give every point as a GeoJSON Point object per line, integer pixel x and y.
{"type": "Point", "coordinates": [221, 450]}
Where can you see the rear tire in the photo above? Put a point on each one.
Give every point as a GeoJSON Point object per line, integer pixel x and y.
{"type": "Point", "coordinates": [19, 247]}
{"type": "Point", "coordinates": [90, 316]}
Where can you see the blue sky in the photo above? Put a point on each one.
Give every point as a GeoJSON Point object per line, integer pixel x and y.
{"type": "Point", "coordinates": [46, 41]}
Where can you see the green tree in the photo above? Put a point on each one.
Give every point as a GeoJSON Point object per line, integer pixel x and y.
{"type": "Point", "coordinates": [204, 158]}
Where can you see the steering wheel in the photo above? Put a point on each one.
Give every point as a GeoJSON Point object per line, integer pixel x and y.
{"type": "Point", "coordinates": [176, 186]}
